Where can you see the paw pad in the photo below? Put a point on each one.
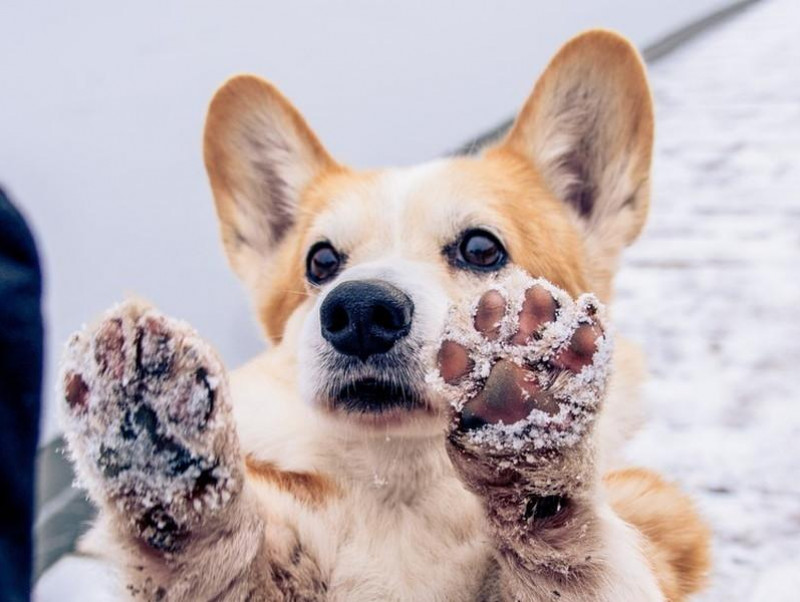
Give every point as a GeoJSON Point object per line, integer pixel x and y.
{"type": "Point", "coordinates": [109, 348]}
{"type": "Point", "coordinates": [155, 347]}
{"type": "Point", "coordinates": [76, 392]}
{"type": "Point", "coordinates": [489, 313]}
{"type": "Point", "coordinates": [524, 364]}
{"type": "Point", "coordinates": [508, 396]}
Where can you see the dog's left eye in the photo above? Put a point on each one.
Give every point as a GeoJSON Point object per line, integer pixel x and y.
{"type": "Point", "coordinates": [480, 250]}
{"type": "Point", "coordinates": [322, 262]}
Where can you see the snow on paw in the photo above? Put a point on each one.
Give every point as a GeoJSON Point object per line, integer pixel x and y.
{"type": "Point", "coordinates": [148, 423]}
{"type": "Point", "coordinates": [524, 364]}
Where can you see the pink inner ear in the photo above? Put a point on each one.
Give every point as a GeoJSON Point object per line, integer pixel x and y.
{"type": "Point", "coordinates": [260, 155]}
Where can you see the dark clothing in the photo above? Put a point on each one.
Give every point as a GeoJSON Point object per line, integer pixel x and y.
{"type": "Point", "coordinates": [21, 345]}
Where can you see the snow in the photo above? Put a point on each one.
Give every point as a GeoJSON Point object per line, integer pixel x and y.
{"type": "Point", "coordinates": [79, 579]}
{"type": "Point", "coordinates": [712, 291]}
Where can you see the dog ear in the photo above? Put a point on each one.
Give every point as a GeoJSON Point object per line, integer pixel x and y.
{"type": "Point", "coordinates": [260, 155]}
{"type": "Point", "coordinates": [588, 129]}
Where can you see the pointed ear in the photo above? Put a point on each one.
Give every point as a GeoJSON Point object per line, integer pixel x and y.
{"type": "Point", "coordinates": [260, 155]}
{"type": "Point", "coordinates": [588, 129]}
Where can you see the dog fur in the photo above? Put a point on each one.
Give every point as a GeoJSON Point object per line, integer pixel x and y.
{"type": "Point", "coordinates": [342, 507]}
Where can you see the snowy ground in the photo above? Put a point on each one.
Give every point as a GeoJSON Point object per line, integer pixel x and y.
{"type": "Point", "coordinates": [712, 291]}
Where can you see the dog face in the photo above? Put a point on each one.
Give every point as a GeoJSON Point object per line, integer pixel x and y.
{"type": "Point", "coordinates": [367, 263]}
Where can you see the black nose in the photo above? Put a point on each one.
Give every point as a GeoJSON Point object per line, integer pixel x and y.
{"type": "Point", "coordinates": [365, 317]}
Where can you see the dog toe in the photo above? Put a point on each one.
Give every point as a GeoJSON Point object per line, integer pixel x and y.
{"type": "Point", "coordinates": [488, 314]}
{"type": "Point", "coordinates": [579, 351]}
{"type": "Point", "coordinates": [538, 309]}
{"type": "Point", "coordinates": [454, 362]}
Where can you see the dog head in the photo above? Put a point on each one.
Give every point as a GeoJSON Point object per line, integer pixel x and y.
{"type": "Point", "coordinates": [364, 264]}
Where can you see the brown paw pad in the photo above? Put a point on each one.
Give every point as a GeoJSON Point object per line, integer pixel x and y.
{"type": "Point", "coordinates": [515, 365]}
{"type": "Point", "coordinates": [109, 348]}
{"type": "Point", "coordinates": [76, 392]}
{"type": "Point", "coordinates": [510, 394]}
{"type": "Point", "coordinates": [538, 308]}
{"type": "Point", "coordinates": [580, 350]}
{"type": "Point", "coordinates": [155, 346]}
{"type": "Point", "coordinates": [488, 314]}
{"type": "Point", "coordinates": [453, 361]}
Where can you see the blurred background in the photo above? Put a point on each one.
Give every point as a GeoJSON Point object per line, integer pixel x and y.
{"type": "Point", "coordinates": [100, 144]}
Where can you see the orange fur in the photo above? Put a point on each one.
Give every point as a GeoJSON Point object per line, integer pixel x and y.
{"type": "Point", "coordinates": [678, 542]}
{"type": "Point", "coordinates": [309, 488]}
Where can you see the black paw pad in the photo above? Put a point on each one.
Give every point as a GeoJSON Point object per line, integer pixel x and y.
{"type": "Point", "coordinates": [160, 530]}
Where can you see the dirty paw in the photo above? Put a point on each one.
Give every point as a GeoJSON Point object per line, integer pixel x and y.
{"type": "Point", "coordinates": [148, 423]}
{"type": "Point", "coordinates": [524, 365]}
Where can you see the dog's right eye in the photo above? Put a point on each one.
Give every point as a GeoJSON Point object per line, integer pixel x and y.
{"type": "Point", "coordinates": [322, 263]}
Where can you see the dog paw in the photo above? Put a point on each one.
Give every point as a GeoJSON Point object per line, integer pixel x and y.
{"type": "Point", "coordinates": [525, 366]}
{"type": "Point", "coordinates": [148, 423]}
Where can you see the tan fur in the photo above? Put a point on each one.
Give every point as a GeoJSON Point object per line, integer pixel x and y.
{"type": "Point", "coordinates": [354, 512]}
{"type": "Point", "coordinates": [678, 540]}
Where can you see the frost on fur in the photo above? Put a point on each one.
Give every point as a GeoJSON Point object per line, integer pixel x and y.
{"type": "Point", "coordinates": [148, 424]}
{"type": "Point", "coordinates": [530, 324]}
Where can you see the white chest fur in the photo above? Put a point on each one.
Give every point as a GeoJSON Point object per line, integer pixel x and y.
{"type": "Point", "coordinates": [402, 527]}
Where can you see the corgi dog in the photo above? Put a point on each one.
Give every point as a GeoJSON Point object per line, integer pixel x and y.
{"type": "Point", "coordinates": [439, 414]}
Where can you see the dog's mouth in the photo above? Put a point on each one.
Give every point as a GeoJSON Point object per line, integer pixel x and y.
{"type": "Point", "coordinates": [375, 396]}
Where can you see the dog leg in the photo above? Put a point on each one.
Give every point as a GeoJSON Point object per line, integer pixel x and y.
{"type": "Point", "coordinates": [527, 367]}
{"type": "Point", "coordinates": [149, 427]}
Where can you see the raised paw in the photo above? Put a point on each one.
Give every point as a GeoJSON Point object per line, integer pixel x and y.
{"type": "Point", "coordinates": [148, 423]}
{"type": "Point", "coordinates": [524, 364]}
